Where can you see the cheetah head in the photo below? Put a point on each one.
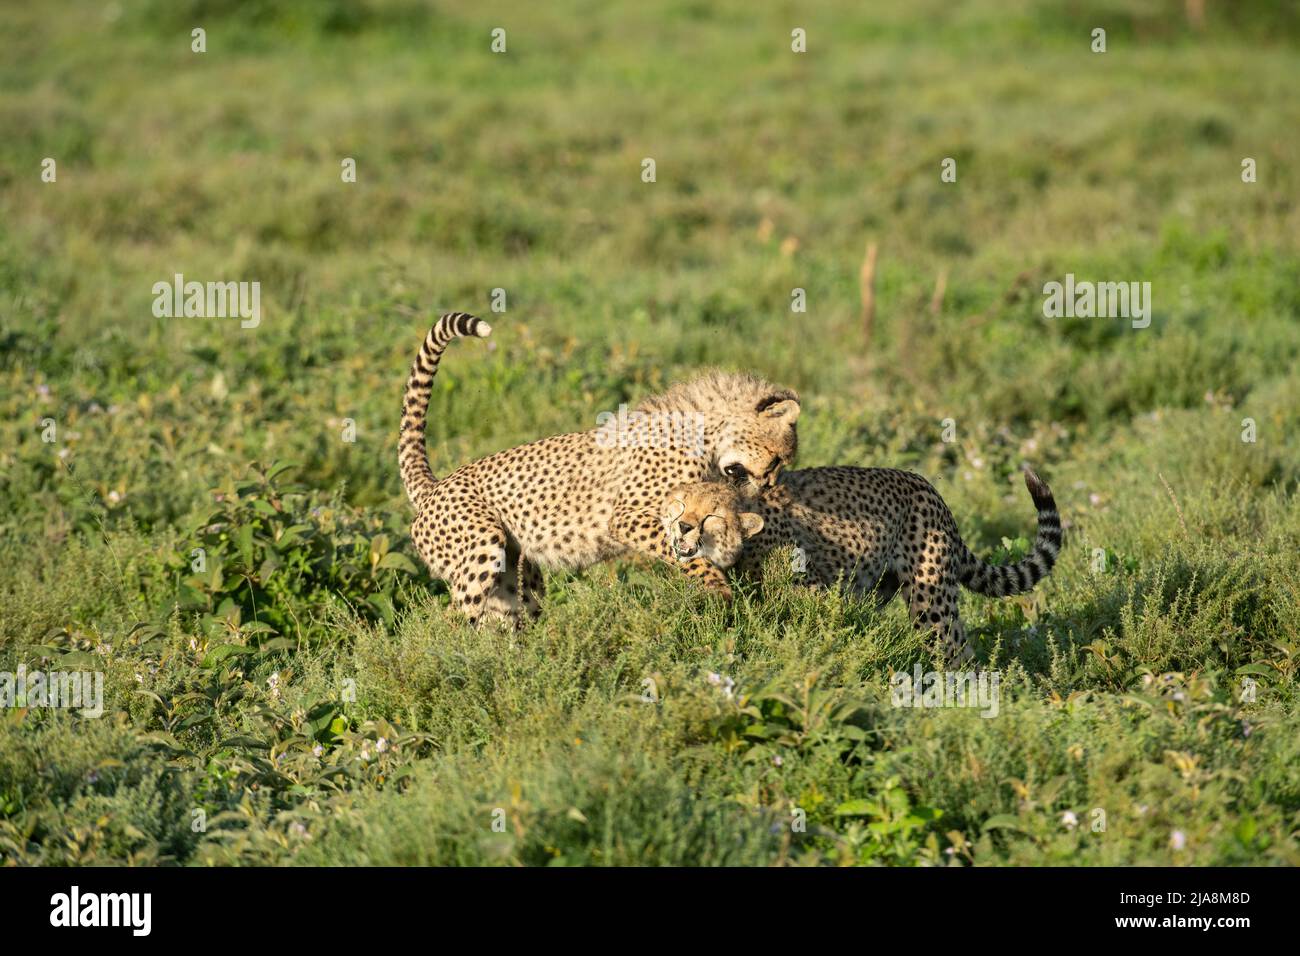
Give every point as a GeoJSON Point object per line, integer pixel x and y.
{"type": "Point", "coordinates": [705, 519]}
{"type": "Point", "coordinates": [751, 449]}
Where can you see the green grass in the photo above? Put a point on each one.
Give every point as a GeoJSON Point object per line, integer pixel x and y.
{"type": "Point", "coordinates": [246, 703]}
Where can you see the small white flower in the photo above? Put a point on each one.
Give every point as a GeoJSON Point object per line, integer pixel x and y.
{"type": "Point", "coordinates": [777, 761]}
{"type": "Point", "coordinates": [381, 744]}
{"type": "Point", "coordinates": [318, 750]}
{"type": "Point", "coordinates": [725, 684]}
{"type": "Point", "coordinates": [114, 497]}
{"type": "Point", "coordinates": [1094, 499]}
{"type": "Point", "coordinates": [1069, 820]}
{"type": "Point", "coordinates": [1177, 840]}
{"type": "Point", "coordinates": [365, 751]}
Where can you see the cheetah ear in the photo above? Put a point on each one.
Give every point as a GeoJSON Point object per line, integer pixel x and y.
{"type": "Point", "coordinates": [751, 524]}
{"type": "Point", "coordinates": [784, 406]}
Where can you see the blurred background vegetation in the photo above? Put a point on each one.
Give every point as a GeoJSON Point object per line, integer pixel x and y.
{"type": "Point", "coordinates": [521, 171]}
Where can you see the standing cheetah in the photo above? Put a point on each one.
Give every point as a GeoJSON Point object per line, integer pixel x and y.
{"type": "Point", "coordinates": [572, 500]}
{"type": "Point", "coordinates": [869, 529]}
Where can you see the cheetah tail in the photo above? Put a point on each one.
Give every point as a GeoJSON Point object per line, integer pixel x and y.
{"type": "Point", "coordinates": [412, 456]}
{"type": "Point", "coordinates": [1004, 580]}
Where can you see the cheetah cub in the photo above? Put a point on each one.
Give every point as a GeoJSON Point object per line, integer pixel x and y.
{"type": "Point", "coordinates": [707, 520]}
{"type": "Point", "coordinates": [572, 500]}
{"type": "Point", "coordinates": [866, 529]}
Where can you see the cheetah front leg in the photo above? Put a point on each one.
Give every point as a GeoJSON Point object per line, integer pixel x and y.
{"type": "Point", "coordinates": [531, 588]}
{"type": "Point", "coordinates": [642, 533]}
{"type": "Point", "coordinates": [886, 587]}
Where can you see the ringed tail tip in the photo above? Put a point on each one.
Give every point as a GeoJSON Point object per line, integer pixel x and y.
{"type": "Point", "coordinates": [483, 330]}
{"type": "Point", "coordinates": [1037, 487]}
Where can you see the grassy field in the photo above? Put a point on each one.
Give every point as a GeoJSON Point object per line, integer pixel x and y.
{"type": "Point", "coordinates": [304, 696]}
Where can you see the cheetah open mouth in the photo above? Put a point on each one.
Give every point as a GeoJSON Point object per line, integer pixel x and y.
{"type": "Point", "coordinates": [685, 552]}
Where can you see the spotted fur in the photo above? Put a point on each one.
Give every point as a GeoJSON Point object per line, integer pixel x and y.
{"type": "Point", "coordinates": [572, 500]}
{"type": "Point", "coordinates": [873, 530]}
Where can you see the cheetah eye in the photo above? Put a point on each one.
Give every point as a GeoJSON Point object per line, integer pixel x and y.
{"type": "Point", "coordinates": [684, 528]}
{"type": "Point", "coordinates": [736, 472]}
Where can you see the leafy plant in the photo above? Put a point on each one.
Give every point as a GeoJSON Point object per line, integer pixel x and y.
{"type": "Point", "coordinates": [273, 558]}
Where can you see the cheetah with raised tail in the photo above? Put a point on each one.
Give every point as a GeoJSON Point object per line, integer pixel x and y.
{"type": "Point", "coordinates": [867, 529]}
{"type": "Point", "coordinates": [573, 500]}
